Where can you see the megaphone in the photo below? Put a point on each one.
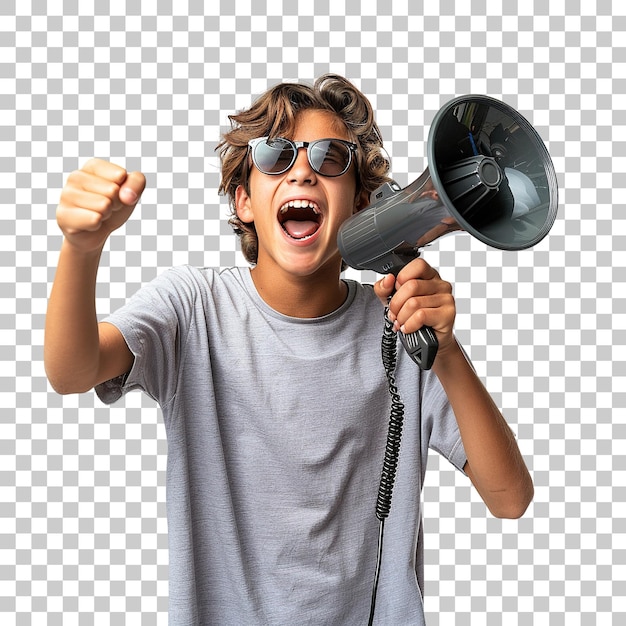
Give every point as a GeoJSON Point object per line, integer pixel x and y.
{"type": "Point", "coordinates": [489, 175]}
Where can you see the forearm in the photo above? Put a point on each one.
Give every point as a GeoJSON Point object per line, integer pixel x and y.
{"type": "Point", "coordinates": [71, 347]}
{"type": "Point", "coordinates": [495, 464]}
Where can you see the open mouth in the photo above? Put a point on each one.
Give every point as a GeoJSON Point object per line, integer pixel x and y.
{"type": "Point", "coordinates": [300, 219]}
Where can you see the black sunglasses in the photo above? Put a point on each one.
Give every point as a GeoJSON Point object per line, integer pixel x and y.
{"type": "Point", "coordinates": [328, 157]}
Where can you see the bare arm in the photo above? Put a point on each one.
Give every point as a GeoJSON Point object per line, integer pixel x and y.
{"type": "Point", "coordinates": [494, 463]}
{"type": "Point", "coordinates": [79, 353]}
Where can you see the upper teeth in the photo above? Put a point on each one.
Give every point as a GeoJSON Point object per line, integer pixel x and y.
{"type": "Point", "coordinates": [299, 204]}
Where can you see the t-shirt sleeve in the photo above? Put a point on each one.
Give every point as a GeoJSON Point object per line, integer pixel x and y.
{"type": "Point", "coordinates": [154, 324]}
{"type": "Point", "coordinates": [439, 418]}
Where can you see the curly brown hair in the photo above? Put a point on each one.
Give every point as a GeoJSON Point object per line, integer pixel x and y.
{"type": "Point", "coordinates": [274, 114]}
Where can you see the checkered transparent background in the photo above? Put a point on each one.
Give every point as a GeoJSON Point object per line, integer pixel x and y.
{"type": "Point", "coordinates": [149, 85]}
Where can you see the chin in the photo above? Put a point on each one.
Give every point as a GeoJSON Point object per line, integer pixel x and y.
{"type": "Point", "coordinates": [328, 269]}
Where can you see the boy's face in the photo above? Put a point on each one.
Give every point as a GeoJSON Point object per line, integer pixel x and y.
{"type": "Point", "coordinates": [297, 214]}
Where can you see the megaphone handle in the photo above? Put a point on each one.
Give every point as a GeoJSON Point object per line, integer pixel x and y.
{"type": "Point", "coordinates": [421, 346]}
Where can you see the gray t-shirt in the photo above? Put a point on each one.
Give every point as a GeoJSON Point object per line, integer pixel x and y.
{"type": "Point", "coordinates": [276, 431]}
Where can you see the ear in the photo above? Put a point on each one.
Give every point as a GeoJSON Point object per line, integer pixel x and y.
{"type": "Point", "coordinates": [243, 205]}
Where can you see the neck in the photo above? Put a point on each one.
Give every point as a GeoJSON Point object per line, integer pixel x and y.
{"type": "Point", "coordinates": [301, 296]}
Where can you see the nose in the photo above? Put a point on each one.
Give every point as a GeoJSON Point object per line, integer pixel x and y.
{"type": "Point", "coordinates": [301, 170]}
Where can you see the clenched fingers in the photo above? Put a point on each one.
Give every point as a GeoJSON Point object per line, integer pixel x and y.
{"type": "Point", "coordinates": [422, 298]}
{"type": "Point", "coordinates": [117, 188]}
{"type": "Point", "coordinates": [105, 170]}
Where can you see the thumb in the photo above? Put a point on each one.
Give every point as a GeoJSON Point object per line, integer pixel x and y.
{"type": "Point", "coordinates": [132, 188]}
{"type": "Point", "coordinates": [385, 287]}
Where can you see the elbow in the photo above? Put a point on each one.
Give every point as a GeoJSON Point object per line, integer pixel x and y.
{"type": "Point", "coordinates": [66, 388]}
{"type": "Point", "coordinates": [512, 512]}
{"type": "Point", "coordinates": [514, 507]}
{"type": "Point", "coordinates": [64, 377]}
{"type": "Point", "coordinates": [509, 500]}
{"type": "Point", "coordinates": [65, 385]}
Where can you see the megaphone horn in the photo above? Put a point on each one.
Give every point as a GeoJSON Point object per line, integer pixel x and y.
{"type": "Point", "coordinates": [489, 174]}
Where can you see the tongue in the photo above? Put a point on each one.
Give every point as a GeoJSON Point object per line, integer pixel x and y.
{"type": "Point", "coordinates": [300, 229]}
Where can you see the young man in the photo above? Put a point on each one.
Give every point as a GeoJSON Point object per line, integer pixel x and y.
{"type": "Point", "coordinates": [274, 398]}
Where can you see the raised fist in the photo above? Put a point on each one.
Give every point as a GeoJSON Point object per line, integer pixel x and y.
{"type": "Point", "coordinates": [95, 201]}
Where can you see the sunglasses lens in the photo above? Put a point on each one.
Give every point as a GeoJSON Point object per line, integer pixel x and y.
{"type": "Point", "coordinates": [330, 158]}
{"type": "Point", "coordinates": [274, 156]}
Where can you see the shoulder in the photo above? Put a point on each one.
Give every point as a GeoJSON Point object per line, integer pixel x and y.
{"type": "Point", "coordinates": [176, 291]}
{"type": "Point", "coordinates": [189, 281]}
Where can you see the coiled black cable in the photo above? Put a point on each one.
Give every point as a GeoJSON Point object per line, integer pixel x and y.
{"type": "Point", "coordinates": [392, 447]}
{"type": "Point", "coordinates": [396, 421]}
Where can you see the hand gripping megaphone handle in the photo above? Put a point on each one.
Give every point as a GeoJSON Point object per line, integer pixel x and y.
{"type": "Point", "coordinates": [421, 345]}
